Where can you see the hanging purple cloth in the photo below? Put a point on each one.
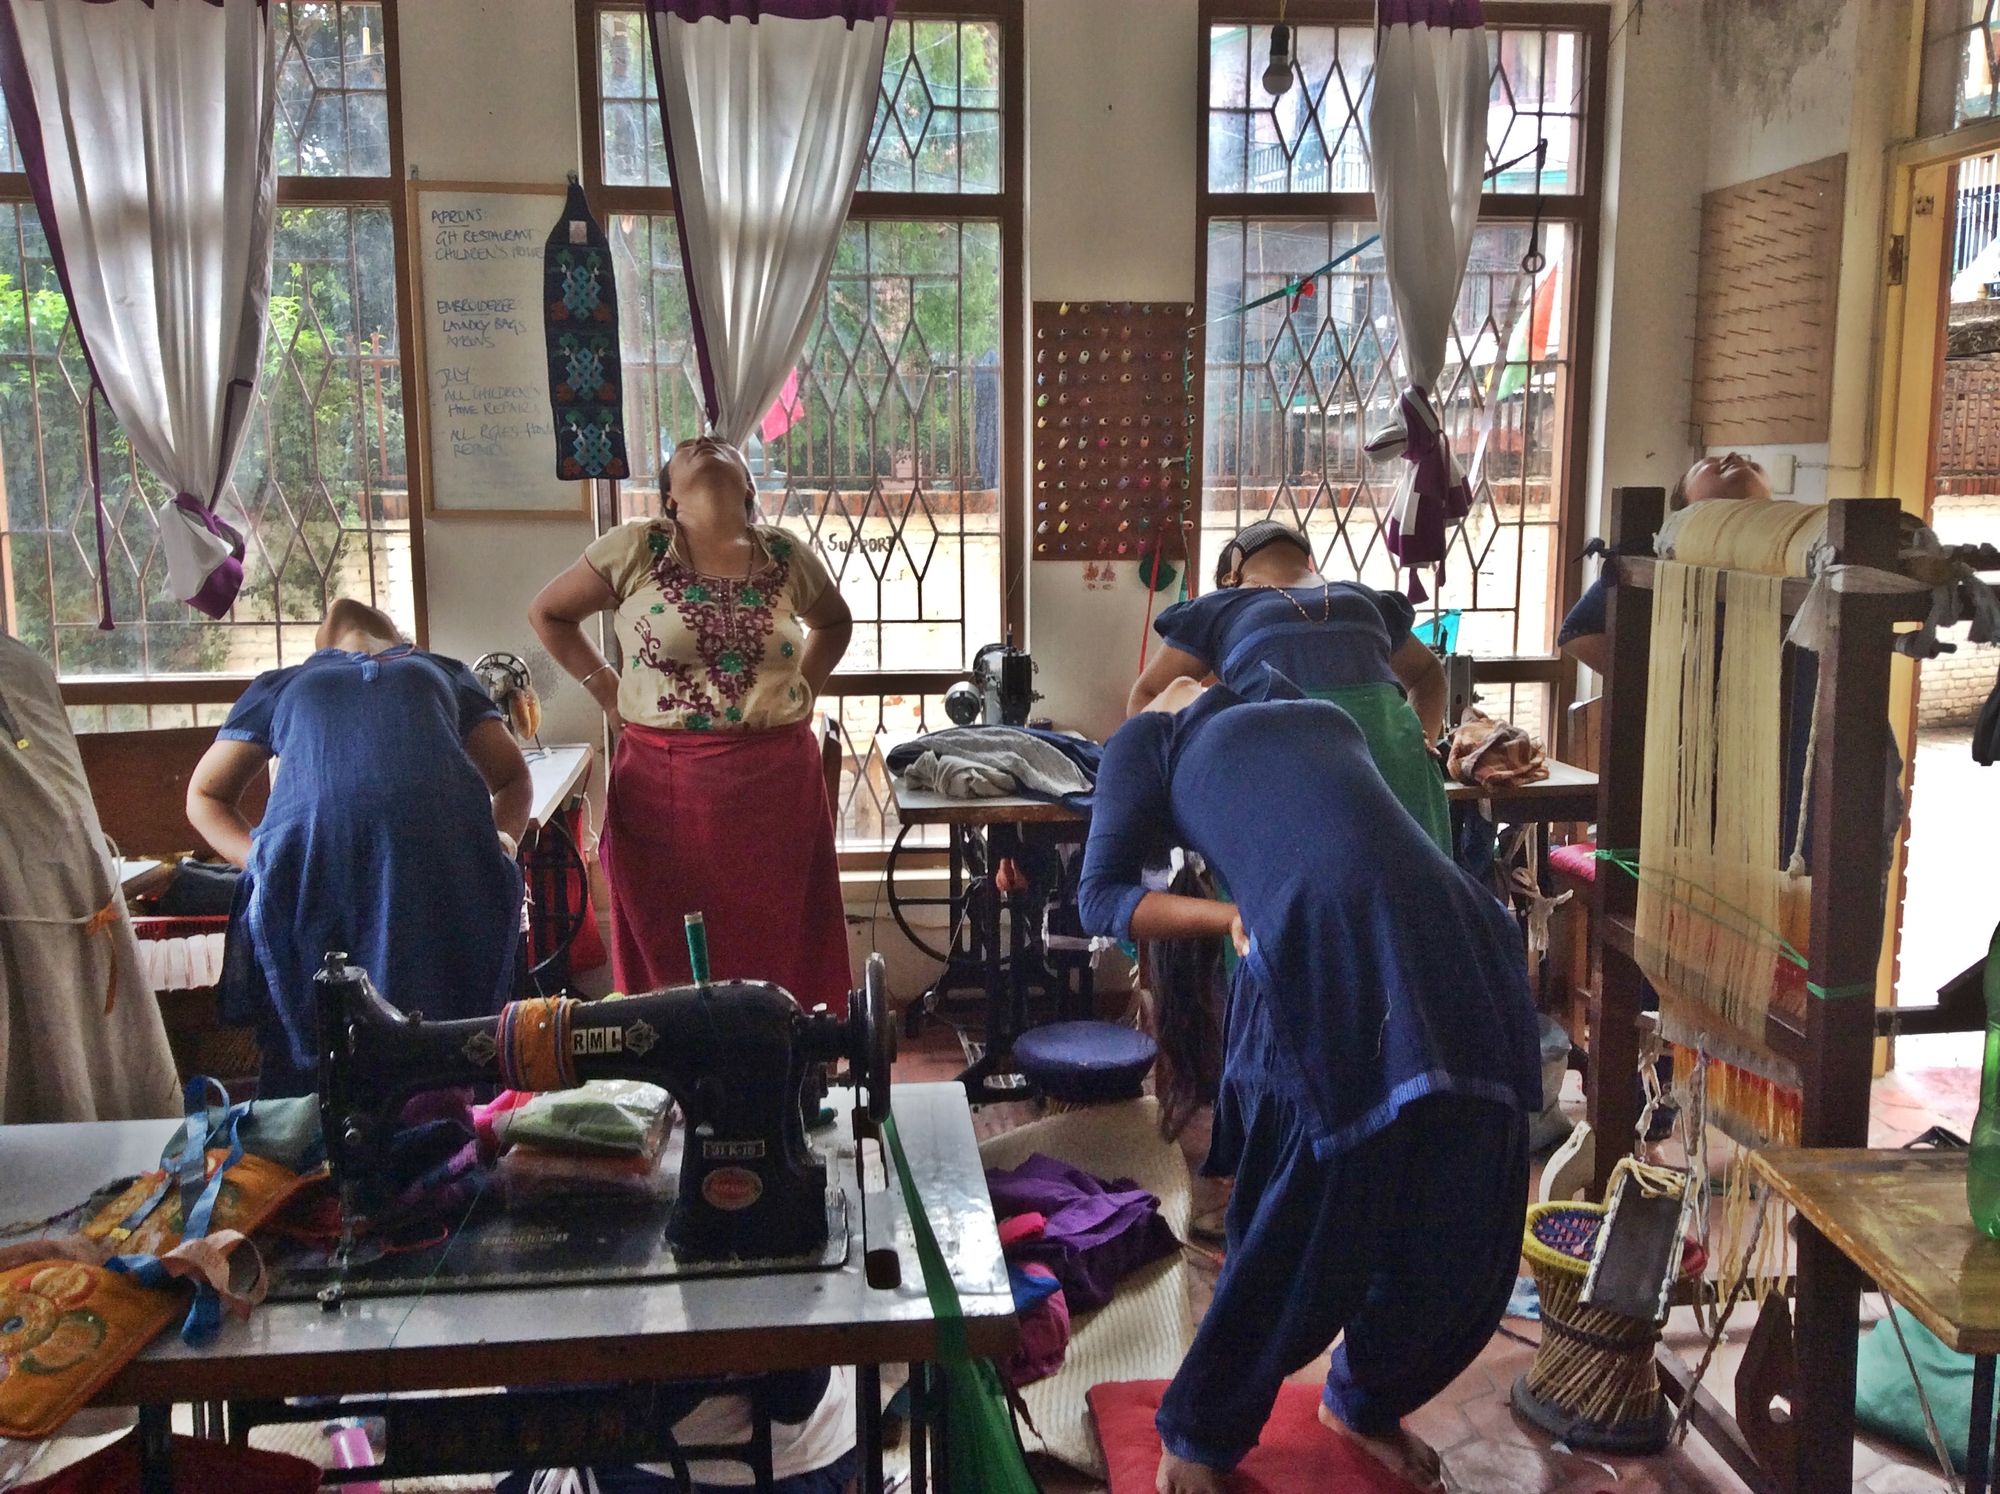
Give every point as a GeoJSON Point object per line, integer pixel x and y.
{"type": "Point", "coordinates": [1097, 1233]}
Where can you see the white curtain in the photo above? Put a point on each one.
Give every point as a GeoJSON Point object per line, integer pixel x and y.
{"type": "Point", "coordinates": [1427, 126]}
{"type": "Point", "coordinates": [145, 130]}
{"type": "Point", "coordinates": [768, 108]}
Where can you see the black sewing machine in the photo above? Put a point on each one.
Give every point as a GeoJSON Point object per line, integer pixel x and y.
{"type": "Point", "coordinates": [1002, 691]}
{"type": "Point", "coordinates": [745, 1063]}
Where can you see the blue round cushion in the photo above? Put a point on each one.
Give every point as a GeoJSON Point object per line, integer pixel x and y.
{"type": "Point", "coordinates": [1086, 1063]}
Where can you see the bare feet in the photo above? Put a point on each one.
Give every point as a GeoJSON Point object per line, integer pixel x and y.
{"type": "Point", "coordinates": [1179, 1476]}
{"type": "Point", "coordinates": [1400, 1452]}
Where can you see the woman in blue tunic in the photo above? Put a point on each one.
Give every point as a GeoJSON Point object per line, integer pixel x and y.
{"type": "Point", "coordinates": [1336, 640]}
{"type": "Point", "coordinates": [1380, 1066]}
{"type": "Point", "coordinates": [390, 835]}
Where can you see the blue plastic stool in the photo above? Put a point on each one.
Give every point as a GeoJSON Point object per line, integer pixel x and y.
{"type": "Point", "coordinates": [1086, 1063]}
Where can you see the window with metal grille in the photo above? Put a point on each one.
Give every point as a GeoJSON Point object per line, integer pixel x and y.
{"type": "Point", "coordinates": [1960, 80]}
{"type": "Point", "coordinates": [889, 448]}
{"type": "Point", "coordinates": [1294, 389]}
{"type": "Point", "coordinates": [322, 487]}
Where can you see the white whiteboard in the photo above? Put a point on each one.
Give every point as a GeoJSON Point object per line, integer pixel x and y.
{"type": "Point", "coordinates": [488, 431]}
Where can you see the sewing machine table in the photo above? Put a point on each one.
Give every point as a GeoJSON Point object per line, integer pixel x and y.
{"type": "Point", "coordinates": [626, 1334]}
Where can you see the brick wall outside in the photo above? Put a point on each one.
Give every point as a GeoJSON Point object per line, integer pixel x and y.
{"type": "Point", "coordinates": [1953, 687]}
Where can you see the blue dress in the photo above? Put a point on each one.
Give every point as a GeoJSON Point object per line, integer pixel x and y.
{"type": "Point", "coordinates": [378, 841]}
{"type": "Point", "coordinates": [1380, 1064]}
{"type": "Point", "coordinates": [1335, 642]}
{"type": "Point", "coordinates": [1378, 971]}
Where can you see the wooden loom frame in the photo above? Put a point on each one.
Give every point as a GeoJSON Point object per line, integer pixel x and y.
{"type": "Point", "coordinates": [1834, 1050]}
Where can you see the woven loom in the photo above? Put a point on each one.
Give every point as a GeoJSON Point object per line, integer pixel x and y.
{"type": "Point", "coordinates": [1703, 900]}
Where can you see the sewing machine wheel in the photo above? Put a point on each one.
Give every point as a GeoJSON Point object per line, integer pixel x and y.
{"type": "Point", "coordinates": [874, 1038]}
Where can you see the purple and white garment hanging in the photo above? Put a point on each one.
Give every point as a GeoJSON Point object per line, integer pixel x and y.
{"type": "Point", "coordinates": [768, 106]}
{"type": "Point", "coordinates": [1427, 125]}
{"type": "Point", "coordinates": [146, 132]}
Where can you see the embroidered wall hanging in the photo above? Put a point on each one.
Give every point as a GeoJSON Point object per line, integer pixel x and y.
{"type": "Point", "coordinates": [586, 385]}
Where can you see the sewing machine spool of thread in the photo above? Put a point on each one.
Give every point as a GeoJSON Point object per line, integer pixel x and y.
{"type": "Point", "coordinates": [697, 937]}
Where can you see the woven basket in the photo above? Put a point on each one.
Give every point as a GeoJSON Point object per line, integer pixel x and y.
{"type": "Point", "coordinates": [1593, 1384]}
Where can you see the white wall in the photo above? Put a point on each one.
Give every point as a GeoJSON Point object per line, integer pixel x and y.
{"type": "Point", "coordinates": [476, 108]}
{"type": "Point", "coordinates": [1655, 160]}
{"type": "Point", "coordinates": [1112, 121]}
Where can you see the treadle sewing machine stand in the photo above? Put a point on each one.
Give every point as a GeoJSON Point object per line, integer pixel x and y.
{"type": "Point", "coordinates": [1811, 1361]}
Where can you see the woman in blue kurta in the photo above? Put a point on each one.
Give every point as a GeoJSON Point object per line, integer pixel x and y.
{"type": "Point", "coordinates": [1380, 1065]}
{"type": "Point", "coordinates": [389, 835]}
{"type": "Point", "coordinates": [1335, 640]}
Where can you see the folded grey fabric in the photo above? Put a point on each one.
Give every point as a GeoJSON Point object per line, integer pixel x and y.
{"type": "Point", "coordinates": [957, 778]}
{"type": "Point", "coordinates": [1029, 764]}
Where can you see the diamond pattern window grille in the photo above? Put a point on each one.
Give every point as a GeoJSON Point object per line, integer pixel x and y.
{"type": "Point", "coordinates": [885, 452]}
{"type": "Point", "coordinates": [1293, 395]}
{"type": "Point", "coordinates": [322, 487]}
{"type": "Point", "coordinates": [1314, 138]}
{"type": "Point", "coordinates": [937, 116]}
{"type": "Point", "coordinates": [1961, 64]}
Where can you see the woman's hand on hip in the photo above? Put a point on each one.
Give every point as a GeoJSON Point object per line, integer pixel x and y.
{"type": "Point", "coordinates": [1238, 935]}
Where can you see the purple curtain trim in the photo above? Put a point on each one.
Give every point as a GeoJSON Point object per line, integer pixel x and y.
{"type": "Point", "coordinates": [1451, 15]}
{"type": "Point", "coordinates": [851, 12]}
{"type": "Point", "coordinates": [219, 589]}
{"type": "Point", "coordinates": [711, 401]}
{"type": "Point", "coordinates": [105, 622]}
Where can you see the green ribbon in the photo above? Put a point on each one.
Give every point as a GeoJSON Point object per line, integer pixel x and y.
{"type": "Point", "coordinates": [1628, 861]}
{"type": "Point", "coordinates": [945, 1305]}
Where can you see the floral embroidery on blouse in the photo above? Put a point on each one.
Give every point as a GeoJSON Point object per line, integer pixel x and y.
{"type": "Point", "coordinates": [729, 623]}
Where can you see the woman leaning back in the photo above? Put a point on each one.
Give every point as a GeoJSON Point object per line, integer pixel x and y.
{"type": "Point", "coordinates": [728, 630]}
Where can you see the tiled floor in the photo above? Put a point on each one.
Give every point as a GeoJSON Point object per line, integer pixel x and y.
{"type": "Point", "coordinates": [1487, 1449]}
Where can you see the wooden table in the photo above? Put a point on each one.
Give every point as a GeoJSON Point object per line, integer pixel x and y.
{"type": "Point", "coordinates": [980, 958]}
{"type": "Point", "coordinates": [1568, 793]}
{"type": "Point", "coordinates": [1901, 1218]}
{"type": "Point", "coordinates": [574, 1337]}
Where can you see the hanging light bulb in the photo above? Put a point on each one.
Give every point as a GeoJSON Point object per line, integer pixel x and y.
{"type": "Point", "coordinates": [1278, 72]}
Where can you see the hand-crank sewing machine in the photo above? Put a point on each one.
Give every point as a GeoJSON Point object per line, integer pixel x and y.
{"type": "Point", "coordinates": [747, 1066]}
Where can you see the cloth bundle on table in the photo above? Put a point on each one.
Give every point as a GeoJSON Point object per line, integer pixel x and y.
{"type": "Point", "coordinates": [80, 1033]}
{"type": "Point", "coordinates": [378, 841]}
{"type": "Point", "coordinates": [984, 762]}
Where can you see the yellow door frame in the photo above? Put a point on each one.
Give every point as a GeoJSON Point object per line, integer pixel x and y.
{"type": "Point", "coordinates": [1909, 368]}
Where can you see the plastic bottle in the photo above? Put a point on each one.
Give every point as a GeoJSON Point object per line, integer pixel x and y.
{"type": "Point", "coordinates": [1982, 1172]}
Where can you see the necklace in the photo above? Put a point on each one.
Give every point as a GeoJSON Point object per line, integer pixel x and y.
{"type": "Point", "coordinates": [1325, 601]}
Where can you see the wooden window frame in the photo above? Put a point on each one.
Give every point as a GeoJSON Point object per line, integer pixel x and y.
{"type": "Point", "coordinates": [1005, 208]}
{"type": "Point", "coordinates": [1580, 212]}
{"type": "Point", "coordinates": [377, 192]}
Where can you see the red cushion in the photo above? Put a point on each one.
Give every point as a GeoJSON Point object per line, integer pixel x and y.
{"type": "Point", "coordinates": [1578, 860]}
{"type": "Point", "coordinates": [1296, 1454]}
{"type": "Point", "coordinates": [198, 1464]}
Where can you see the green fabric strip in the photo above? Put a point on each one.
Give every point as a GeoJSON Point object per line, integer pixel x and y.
{"type": "Point", "coordinates": [945, 1306]}
{"type": "Point", "coordinates": [1396, 741]}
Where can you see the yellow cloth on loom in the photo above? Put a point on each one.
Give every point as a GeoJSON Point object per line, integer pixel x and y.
{"type": "Point", "coordinates": [1713, 898]}
{"type": "Point", "coordinates": [1769, 537]}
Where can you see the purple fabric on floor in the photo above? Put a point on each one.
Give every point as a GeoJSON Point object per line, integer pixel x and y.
{"type": "Point", "coordinates": [1097, 1233]}
{"type": "Point", "coordinates": [1044, 1326]}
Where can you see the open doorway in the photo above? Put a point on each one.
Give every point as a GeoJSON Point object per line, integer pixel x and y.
{"type": "Point", "coordinates": [1951, 898]}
